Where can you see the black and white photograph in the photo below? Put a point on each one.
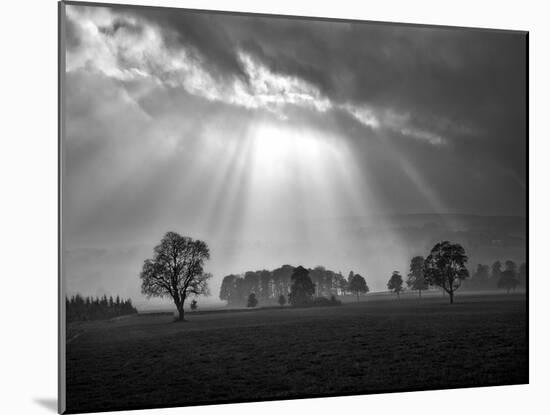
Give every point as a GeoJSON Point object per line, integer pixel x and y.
{"type": "Point", "coordinates": [260, 207]}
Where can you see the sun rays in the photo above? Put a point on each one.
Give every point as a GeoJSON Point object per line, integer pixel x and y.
{"type": "Point", "coordinates": [275, 192]}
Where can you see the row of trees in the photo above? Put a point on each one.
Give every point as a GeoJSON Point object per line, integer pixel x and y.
{"type": "Point", "coordinates": [272, 286]}
{"type": "Point", "coordinates": [445, 267]}
{"type": "Point", "coordinates": [176, 269]}
{"type": "Point", "coordinates": [508, 277]}
{"type": "Point", "coordinates": [81, 309]}
{"type": "Point", "coordinates": [302, 291]}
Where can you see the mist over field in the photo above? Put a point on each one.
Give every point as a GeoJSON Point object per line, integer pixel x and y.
{"type": "Point", "coordinates": [373, 247]}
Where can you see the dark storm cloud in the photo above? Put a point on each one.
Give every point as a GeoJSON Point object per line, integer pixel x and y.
{"type": "Point", "coordinates": [464, 85]}
{"type": "Point", "coordinates": [205, 32]}
{"type": "Point", "coordinates": [423, 66]}
{"type": "Point", "coordinates": [463, 88]}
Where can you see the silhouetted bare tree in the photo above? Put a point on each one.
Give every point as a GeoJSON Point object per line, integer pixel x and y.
{"type": "Point", "coordinates": [176, 270]}
{"type": "Point", "coordinates": [446, 267]}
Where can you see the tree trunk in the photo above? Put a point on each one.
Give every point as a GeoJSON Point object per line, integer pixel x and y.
{"type": "Point", "coordinates": [451, 296]}
{"type": "Point", "coordinates": [419, 293]}
{"type": "Point", "coordinates": [357, 296]}
{"type": "Point", "coordinates": [180, 312]}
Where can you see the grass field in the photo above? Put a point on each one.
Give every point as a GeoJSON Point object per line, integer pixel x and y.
{"type": "Point", "coordinates": [367, 347]}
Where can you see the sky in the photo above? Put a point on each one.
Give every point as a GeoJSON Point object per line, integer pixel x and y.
{"type": "Point", "coordinates": [278, 140]}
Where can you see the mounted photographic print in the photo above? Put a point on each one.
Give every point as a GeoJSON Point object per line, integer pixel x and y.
{"type": "Point", "coordinates": [260, 207]}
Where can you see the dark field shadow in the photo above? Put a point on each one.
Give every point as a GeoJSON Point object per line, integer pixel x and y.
{"type": "Point", "coordinates": [48, 403]}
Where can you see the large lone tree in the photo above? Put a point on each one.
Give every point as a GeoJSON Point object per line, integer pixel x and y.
{"type": "Point", "coordinates": [176, 270]}
{"type": "Point", "coordinates": [446, 267]}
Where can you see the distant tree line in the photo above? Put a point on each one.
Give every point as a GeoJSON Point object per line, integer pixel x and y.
{"type": "Point", "coordinates": [445, 267]}
{"type": "Point", "coordinates": [508, 277]}
{"type": "Point", "coordinates": [281, 284]}
{"type": "Point", "coordinates": [80, 308]}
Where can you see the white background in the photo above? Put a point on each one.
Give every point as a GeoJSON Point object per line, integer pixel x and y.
{"type": "Point", "coordinates": [28, 204]}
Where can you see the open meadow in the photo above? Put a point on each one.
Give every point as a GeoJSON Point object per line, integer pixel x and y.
{"type": "Point", "coordinates": [383, 345]}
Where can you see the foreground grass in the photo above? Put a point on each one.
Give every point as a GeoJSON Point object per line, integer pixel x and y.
{"type": "Point", "coordinates": [147, 361]}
